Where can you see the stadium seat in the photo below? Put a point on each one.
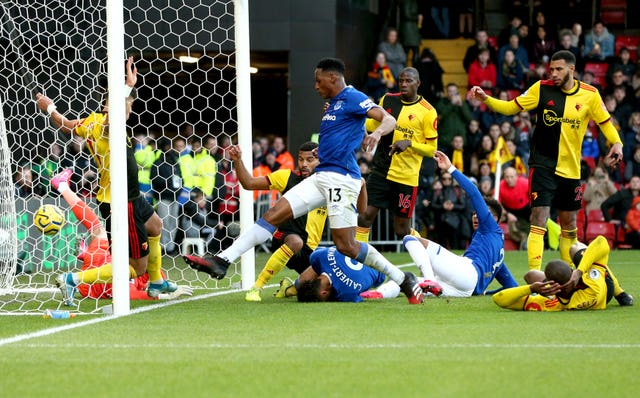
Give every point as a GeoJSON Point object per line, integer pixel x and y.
{"type": "Point", "coordinates": [613, 12]}
{"type": "Point", "coordinates": [509, 244]}
{"type": "Point", "coordinates": [513, 93]}
{"type": "Point", "coordinates": [595, 215]}
{"type": "Point", "coordinates": [493, 42]}
{"type": "Point", "coordinates": [603, 228]}
{"type": "Point", "coordinates": [630, 42]}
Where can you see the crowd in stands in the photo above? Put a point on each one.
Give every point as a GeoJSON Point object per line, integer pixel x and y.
{"type": "Point", "coordinates": [189, 179]}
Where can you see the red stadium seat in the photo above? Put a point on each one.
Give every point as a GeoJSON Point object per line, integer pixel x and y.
{"type": "Point", "coordinates": [620, 239]}
{"type": "Point", "coordinates": [595, 215]}
{"type": "Point", "coordinates": [513, 93]}
{"type": "Point", "coordinates": [605, 229]}
{"type": "Point", "coordinates": [493, 42]}
{"type": "Point", "coordinates": [509, 244]}
{"type": "Point", "coordinates": [613, 12]}
{"type": "Point", "coordinates": [597, 68]}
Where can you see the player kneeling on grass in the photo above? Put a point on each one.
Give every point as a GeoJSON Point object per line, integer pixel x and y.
{"type": "Point", "coordinates": [452, 275]}
{"type": "Point", "coordinates": [93, 280]}
{"type": "Point", "coordinates": [588, 287]}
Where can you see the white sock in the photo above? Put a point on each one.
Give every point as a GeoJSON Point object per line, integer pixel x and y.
{"type": "Point", "coordinates": [389, 289]}
{"type": "Point", "coordinates": [251, 238]}
{"type": "Point", "coordinates": [63, 186]}
{"type": "Point", "coordinates": [378, 262]}
{"type": "Point", "coordinates": [419, 255]}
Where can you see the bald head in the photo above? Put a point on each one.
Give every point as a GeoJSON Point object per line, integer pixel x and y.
{"type": "Point", "coordinates": [557, 271]}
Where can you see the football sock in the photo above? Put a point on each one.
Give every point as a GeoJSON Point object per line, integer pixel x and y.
{"type": "Point", "coordinates": [154, 265]}
{"type": "Point", "coordinates": [419, 255]}
{"type": "Point", "coordinates": [567, 238]}
{"type": "Point", "coordinates": [102, 274]}
{"type": "Point", "coordinates": [275, 264]}
{"type": "Point", "coordinates": [389, 289]}
{"type": "Point", "coordinates": [377, 261]}
{"type": "Point", "coordinates": [535, 246]}
{"type": "Point", "coordinates": [258, 233]}
{"type": "Point", "coordinates": [362, 234]}
{"type": "Point", "coordinates": [80, 209]}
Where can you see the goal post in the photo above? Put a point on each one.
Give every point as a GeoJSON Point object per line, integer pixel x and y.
{"type": "Point", "coordinates": [71, 52]}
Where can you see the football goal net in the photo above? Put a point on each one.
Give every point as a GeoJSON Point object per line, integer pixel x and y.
{"type": "Point", "coordinates": [191, 101]}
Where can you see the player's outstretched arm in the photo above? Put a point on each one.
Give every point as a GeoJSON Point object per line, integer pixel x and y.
{"type": "Point", "coordinates": [387, 124]}
{"type": "Point", "coordinates": [247, 180]}
{"type": "Point", "coordinates": [46, 105]}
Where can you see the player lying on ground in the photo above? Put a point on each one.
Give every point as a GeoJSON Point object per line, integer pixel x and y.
{"type": "Point", "coordinates": [588, 287]}
{"type": "Point", "coordinates": [470, 273]}
{"type": "Point", "coordinates": [93, 280]}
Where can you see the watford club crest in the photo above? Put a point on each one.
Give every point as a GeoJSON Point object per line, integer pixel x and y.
{"type": "Point", "coordinates": [534, 196]}
{"type": "Point", "coordinates": [578, 106]}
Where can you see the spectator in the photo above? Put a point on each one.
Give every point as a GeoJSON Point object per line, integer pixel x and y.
{"type": "Point", "coordinates": [510, 72]}
{"type": "Point", "coordinates": [187, 165]}
{"type": "Point", "coordinates": [481, 155]}
{"type": "Point", "coordinates": [204, 168]}
{"type": "Point", "coordinates": [565, 43]}
{"type": "Point", "coordinates": [577, 38]}
{"type": "Point", "coordinates": [166, 183]}
{"type": "Point", "coordinates": [49, 166]}
{"type": "Point", "coordinates": [631, 135]}
{"type": "Point", "coordinates": [632, 220]}
{"type": "Point", "coordinates": [482, 72]}
{"type": "Point", "coordinates": [624, 64]}
{"type": "Point", "coordinates": [536, 74]}
{"type": "Point", "coordinates": [23, 181]}
{"type": "Point", "coordinates": [598, 188]}
{"type": "Point", "coordinates": [514, 197]}
{"type": "Point", "coordinates": [430, 71]}
{"type": "Point", "coordinates": [145, 154]}
{"type": "Point", "coordinates": [519, 52]}
{"type": "Point", "coordinates": [624, 107]}
{"type": "Point", "coordinates": [479, 114]}
{"type": "Point", "coordinates": [465, 9]}
{"type": "Point", "coordinates": [454, 114]}
{"type": "Point", "coordinates": [440, 17]}
{"type": "Point", "coordinates": [504, 37]}
{"type": "Point", "coordinates": [77, 158]}
{"type": "Point", "coordinates": [482, 42]}
{"type": "Point", "coordinates": [590, 149]}
{"type": "Point", "coordinates": [284, 157]}
{"type": "Point", "coordinates": [526, 41]}
{"type": "Point", "coordinates": [393, 51]}
{"type": "Point", "coordinates": [450, 205]}
{"type": "Point", "coordinates": [425, 213]}
{"type": "Point", "coordinates": [524, 128]}
{"type": "Point", "coordinates": [598, 43]}
{"type": "Point", "coordinates": [543, 46]}
{"type": "Point", "coordinates": [197, 220]}
{"type": "Point", "coordinates": [210, 143]}
{"type": "Point", "coordinates": [615, 207]}
{"type": "Point", "coordinates": [589, 78]}
{"type": "Point", "coordinates": [474, 136]}
{"type": "Point", "coordinates": [409, 22]}
{"type": "Point", "coordinates": [516, 161]}
{"type": "Point", "coordinates": [632, 167]}
{"type": "Point", "coordinates": [485, 186]}
{"type": "Point", "coordinates": [380, 79]}
{"type": "Point", "coordinates": [618, 79]}
{"type": "Point", "coordinates": [457, 155]}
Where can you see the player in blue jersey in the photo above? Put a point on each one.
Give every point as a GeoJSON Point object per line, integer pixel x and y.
{"type": "Point", "coordinates": [335, 184]}
{"type": "Point", "coordinates": [470, 273]}
{"type": "Point", "coordinates": [334, 277]}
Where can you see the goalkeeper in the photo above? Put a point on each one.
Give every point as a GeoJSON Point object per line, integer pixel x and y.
{"type": "Point", "coordinates": [93, 280]}
{"type": "Point", "coordinates": [589, 287]}
{"type": "Point", "coordinates": [145, 226]}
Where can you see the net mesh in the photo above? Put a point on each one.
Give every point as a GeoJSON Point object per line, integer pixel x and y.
{"type": "Point", "coordinates": [59, 48]}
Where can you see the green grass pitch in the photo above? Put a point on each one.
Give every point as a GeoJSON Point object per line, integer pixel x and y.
{"type": "Point", "coordinates": [223, 346]}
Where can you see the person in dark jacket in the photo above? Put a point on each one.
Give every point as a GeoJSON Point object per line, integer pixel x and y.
{"type": "Point", "coordinates": [166, 184]}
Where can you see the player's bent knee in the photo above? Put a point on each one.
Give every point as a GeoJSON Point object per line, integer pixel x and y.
{"type": "Point", "coordinates": [294, 242]}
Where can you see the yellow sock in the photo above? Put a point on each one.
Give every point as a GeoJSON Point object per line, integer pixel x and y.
{"type": "Point", "coordinates": [275, 264]}
{"type": "Point", "coordinates": [362, 234]}
{"type": "Point", "coordinates": [154, 265]}
{"type": "Point", "coordinates": [567, 238]}
{"type": "Point", "coordinates": [102, 274]}
{"type": "Point", "coordinates": [535, 246]}
{"type": "Point", "coordinates": [415, 233]}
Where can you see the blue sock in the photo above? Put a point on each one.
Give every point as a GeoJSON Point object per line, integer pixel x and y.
{"type": "Point", "coordinates": [362, 253]}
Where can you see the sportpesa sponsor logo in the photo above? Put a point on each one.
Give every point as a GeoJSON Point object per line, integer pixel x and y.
{"type": "Point", "coordinates": [328, 117]}
{"type": "Point", "coordinates": [550, 118]}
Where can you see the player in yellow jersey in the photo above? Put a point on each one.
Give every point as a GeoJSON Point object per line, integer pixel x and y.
{"type": "Point", "coordinates": [393, 182]}
{"type": "Point", "coordinates": [295, 240]}
{"type": "Point", "coordinates": [589, 287]}
{"type": "Point", "coordinates": [145, 226]}
{"type": "Point", "coordinates": [564, 106]}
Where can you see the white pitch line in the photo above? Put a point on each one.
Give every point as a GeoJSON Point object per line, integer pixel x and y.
{"type": "Point", "coordinates": [181, 346]}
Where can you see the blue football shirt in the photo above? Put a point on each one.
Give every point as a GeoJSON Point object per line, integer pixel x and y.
{"type": "Point", "coordinates": [348, 277]}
